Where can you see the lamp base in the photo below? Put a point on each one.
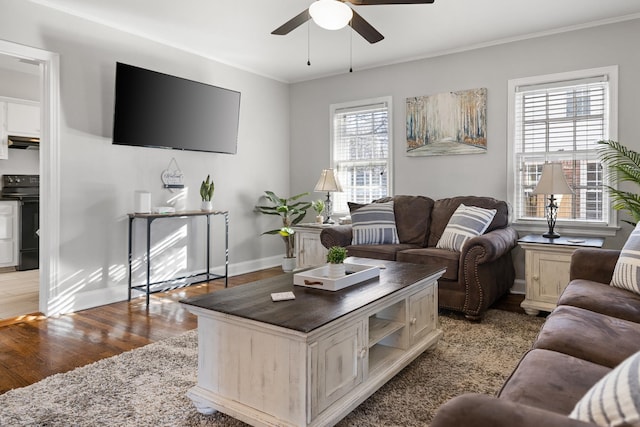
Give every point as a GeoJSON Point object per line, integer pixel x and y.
{"type": "Point", "coordinates": [551, 235]}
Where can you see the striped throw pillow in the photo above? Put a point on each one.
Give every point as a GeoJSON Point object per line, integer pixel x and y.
{"type": "Point", "coordinates": [374, 224]}
{"type": "Point", "coordinates": [465, 223]}
{"type": "Point", "coordinates": [615, 399]}
{"type": "Point", "coordinates": [626, 274]}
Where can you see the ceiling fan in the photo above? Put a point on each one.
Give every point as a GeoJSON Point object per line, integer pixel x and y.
{"type": "Point", "coordinates": [335, 14]}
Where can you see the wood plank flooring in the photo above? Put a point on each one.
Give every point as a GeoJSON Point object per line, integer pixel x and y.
{"type": "Point", "coordinates": [33, 347]}
{"type": "Point", "coordinates": [19, 292]}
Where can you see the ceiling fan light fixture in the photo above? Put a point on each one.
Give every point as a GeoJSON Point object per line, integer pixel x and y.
{"type": "Point", "coordinates": [330, 14]}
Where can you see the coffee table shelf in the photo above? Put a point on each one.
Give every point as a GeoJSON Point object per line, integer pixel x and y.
{"type": "Point", "coordinates": [382, 328]}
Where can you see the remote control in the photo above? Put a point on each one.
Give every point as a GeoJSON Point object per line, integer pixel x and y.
{"type": "Point", "coordinates": [282, 296]}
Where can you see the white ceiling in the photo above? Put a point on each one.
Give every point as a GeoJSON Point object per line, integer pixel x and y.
{"type": "Point", "coordinates": [237, 32]}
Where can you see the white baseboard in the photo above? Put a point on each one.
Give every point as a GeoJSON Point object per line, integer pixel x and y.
{"type": "Point", "coordinates": [519, 287]}
{"type": "Point", "coordinates": [117, 292]}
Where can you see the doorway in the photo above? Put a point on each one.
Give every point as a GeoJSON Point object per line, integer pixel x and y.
{"type": "Point", "coordinates": [47, 64]}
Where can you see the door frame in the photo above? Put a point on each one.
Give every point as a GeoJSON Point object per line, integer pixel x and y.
{"type": "Point", "coordinates": [49, 63]}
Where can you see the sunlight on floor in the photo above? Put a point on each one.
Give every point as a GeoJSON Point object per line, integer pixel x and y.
{"type": "Point", "coordinates": [19, 293]}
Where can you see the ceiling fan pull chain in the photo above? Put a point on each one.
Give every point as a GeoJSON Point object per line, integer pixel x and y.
{"type": "Point", "coordinates": [309, 43]}
{"type": "Point", "coordinates": [351, 51]}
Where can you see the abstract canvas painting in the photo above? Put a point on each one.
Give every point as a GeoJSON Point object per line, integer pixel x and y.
{"type": "Point", "coordinates": [447, 123]}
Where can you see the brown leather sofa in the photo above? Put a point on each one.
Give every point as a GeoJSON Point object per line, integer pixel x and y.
{"type": "Point", "coordinates": [594, 327]}
{"type": "Point", "coordinates": [475, 277]}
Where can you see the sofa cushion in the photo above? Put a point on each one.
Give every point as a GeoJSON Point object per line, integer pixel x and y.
{"type": "Point", "coordinates": [465, 223]}
{"type": "Point", "coordinates": [386, 252]}
{"type": "Point", "coordinates": [602, 298]}
{"type": "Point", "coordinates": [413, 217]}
{"type": "Point", "coordinates": [615, 399]}
{"type": "Point", "coordinates": [550, 380]}
{"type": "Point", "coordinates": [433, 257]}
{"type": "Point", "coordinates": [374, 224]}
{"type": "Point", "coordinates": [444, 208]}
{"type": "Point", "coordinates": [591, 336]}
{"type": "Point", "coordinates": [626, 275]}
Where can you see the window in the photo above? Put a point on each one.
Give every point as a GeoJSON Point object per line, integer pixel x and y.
{"type": "Point", "coordinates": [560, 118]}
{"type": "Point", "coordinates": [361, 151]}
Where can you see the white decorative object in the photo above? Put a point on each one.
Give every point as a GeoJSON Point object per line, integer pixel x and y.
{"type": "Point", "coordinates": [288, 264]}
{"type": "Point", "coordinates": [320, 277]}
{"type": "Point", "coordinates": [142, 202]}
{"type": "Point", "coordinates": [336, 270]}
{"type": "Point", "coordinates": [172, 178]}
{"type": "Point", "coordinates": [206, 205]}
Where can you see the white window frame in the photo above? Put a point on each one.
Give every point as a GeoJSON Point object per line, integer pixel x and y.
{"type": "Point", "coordinates": [354, 105]}
{"type": "Point", "coordinates": [539, 226]}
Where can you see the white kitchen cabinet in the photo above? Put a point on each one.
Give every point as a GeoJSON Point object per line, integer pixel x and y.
{"type": "Point", "coordinates": [23, 118]}
{"type": "Point", "coordinates": [8, 233]}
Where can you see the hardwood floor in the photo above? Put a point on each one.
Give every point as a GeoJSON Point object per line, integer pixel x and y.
{"type": "Point", "coordinates": [33, 347]}
{"type": "Point", "coordinates": [19, 292]}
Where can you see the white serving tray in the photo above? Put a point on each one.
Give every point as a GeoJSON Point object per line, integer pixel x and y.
{"type": "Point", "coordinates": [318, 277]}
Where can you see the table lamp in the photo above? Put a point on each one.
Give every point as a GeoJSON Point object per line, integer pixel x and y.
{"type": "Point", "coordinates": [552, 181]}
{"type": "Point", "coordinates": [328, 182]}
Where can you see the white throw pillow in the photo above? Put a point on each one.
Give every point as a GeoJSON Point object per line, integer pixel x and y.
{"type": "Point", "coordinates": [465, 223]}
{"type": "Point", "coordinates": [615, 399]}
{"type": "Point", "coordinates": [626, 275]}
{"type": "Point", "coordinates": [374, 224]}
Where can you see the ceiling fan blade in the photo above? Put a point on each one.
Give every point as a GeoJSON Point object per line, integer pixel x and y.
{"type": "Point", "coordinates": [365, 29]}
{"type": "Point", "coordinates": [292, 24]}
{"type": "Point", "coordinates": [380, 2]}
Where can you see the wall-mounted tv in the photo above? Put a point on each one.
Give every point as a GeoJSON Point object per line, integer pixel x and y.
{"type": "Point", "coordinates": [153, 109]}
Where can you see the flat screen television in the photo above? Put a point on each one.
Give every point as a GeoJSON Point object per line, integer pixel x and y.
{"type": "Point", "coordinates": [153, 109]}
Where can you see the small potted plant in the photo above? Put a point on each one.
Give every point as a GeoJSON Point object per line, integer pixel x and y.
{"type": "Point", "coordinates": [206, 193]}
{"type": "Point", "coordinates": [335, 257]}
{"type": "Point", "coordinates": [318, 206]}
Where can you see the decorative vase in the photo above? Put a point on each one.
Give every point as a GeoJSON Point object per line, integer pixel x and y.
{"type": "Point", "coordinates": [336, 270]}
{"type": "Point", "coordinates": [319, 219]}
{"type": "Point", "coordinates": [288, 264]}
{"type": "Point", "coordinates": [207, 205]}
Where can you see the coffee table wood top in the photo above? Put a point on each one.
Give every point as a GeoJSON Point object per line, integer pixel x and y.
{"type": "Point", "coordinates": [312, 308]}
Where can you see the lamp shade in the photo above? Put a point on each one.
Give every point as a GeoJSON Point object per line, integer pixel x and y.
{"type": "Point", "coordinates": [328, 181]}
{"type": "Point", "coordinates": [552, 180]}
{"type": "Point", "coordinates": [330, 14]}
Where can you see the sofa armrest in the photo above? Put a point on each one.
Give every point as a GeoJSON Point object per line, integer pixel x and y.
{"type": "Point", "coordinates": [490, 246]}
{"type": "Point", "coordinates": [593, 264]}
{"type": "Point", "coordinates": [338, 235]}
{"type": "Point", "coordinates": [479, 410]}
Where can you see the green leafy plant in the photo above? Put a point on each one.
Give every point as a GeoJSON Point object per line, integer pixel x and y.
{"type": "Point", "coordinates": [336, 255]}
{"type": "Point", "coordinates": [318, 206]}
{"type": "Point", "coordinates": [623, 165]}
{"type": "Point", "coordinates": [291, 210]}
{"type": "Point", "coordinates": [206, 189]}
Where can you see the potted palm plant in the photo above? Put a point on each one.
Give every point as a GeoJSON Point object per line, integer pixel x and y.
{"type": "Point", "coordinates": [206, 193]}
{"type": "Point", "coordinates": [623, 166]}
{"type": "Point", "coordinates": [335, 258]}
{"type": "Point", "coordinates": [291, 210]}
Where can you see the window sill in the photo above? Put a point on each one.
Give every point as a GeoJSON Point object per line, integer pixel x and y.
{"type": "Point", "coordinates": [586, 230]}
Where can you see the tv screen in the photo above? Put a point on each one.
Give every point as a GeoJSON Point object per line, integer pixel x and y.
{"type": "Point", "coordinates": [153, 109]}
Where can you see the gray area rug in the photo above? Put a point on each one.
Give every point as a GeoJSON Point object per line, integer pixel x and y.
{"type": "Point", "coordinates": [147, 386]}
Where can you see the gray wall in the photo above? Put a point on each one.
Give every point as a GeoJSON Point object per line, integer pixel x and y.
{"type": "Point", "coordinates": [490, 67]}
{"type": "Point", "coordinates": [98, 179]}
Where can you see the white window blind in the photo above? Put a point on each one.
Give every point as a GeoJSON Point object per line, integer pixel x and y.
{"type": "Point", "coordinates": [361, 152]}
{"type": "Point", "coordinates": [562, 121]}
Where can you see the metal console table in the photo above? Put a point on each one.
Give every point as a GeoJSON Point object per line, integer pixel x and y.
{"type": "Point", "coordinates": [150, 288]}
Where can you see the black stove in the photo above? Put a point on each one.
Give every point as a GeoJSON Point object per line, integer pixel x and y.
{"type": "Point", "coordinates": [20, 187]}
{"type": "Point", "coordinates": [26, 190]}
